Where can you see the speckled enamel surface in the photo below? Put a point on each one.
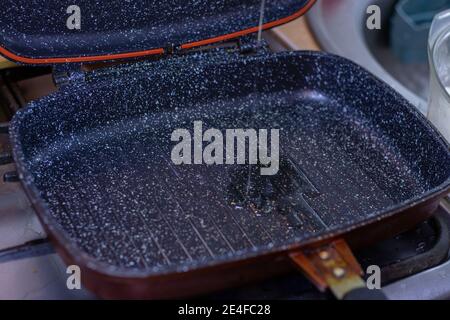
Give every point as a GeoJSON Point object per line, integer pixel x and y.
{"type": "Point", "coordinates": [37, 28]}
{"type": "Point", "coordinates": [95, 157]}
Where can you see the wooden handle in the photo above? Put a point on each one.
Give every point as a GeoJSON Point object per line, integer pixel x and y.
{"type": "Point", "coordinates": [333, 266]}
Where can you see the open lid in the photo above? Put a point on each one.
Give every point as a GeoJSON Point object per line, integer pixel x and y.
{"type": "Point", "coordinates": [56, 31]}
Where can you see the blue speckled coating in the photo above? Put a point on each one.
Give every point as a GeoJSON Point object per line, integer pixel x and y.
{"type": "Point", "coordinates": [95, 159]}
{"type": "Point", "coordinates": [37, 28]}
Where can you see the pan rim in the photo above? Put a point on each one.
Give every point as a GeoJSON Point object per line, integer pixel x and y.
{"type": "Point", "coordinates": [30, 60]}
{"type": "Point", "coordinates": [81, 258]}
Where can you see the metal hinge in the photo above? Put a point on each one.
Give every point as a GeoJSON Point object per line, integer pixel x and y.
{"type": "Point", "coordinates": [171, 49]}
{"type": "Point", "coordinates": [249, 45]}
{"type": "Point", "coordinates": [66, 74]}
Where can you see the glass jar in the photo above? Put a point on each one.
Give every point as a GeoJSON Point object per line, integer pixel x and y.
{"type": "Point", "coordinates": [439, 59]}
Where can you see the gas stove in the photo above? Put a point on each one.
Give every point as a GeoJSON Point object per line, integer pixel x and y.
{"type": "Point", "coordinates": [413, 265]}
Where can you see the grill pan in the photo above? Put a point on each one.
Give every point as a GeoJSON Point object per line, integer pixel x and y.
{"type": "Point", "coordinates": [357, 162]}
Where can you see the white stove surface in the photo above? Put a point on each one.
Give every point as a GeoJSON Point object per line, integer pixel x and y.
{"type": "Point", "coordinates": [35, 277]}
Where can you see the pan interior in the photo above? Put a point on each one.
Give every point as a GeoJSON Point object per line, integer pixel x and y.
{"type": "Point", "coordinates": [99, 155]}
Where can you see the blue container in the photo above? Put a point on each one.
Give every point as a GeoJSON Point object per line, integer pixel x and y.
{"type": "Point", "coordinates": [410, 25]}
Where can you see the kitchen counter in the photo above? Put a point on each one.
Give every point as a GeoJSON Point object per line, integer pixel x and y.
{"type": "Point", "coordinates": [296, 35]}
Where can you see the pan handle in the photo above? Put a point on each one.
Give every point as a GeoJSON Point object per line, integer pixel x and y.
{"type": "Point", "coordinates": [5, 156]}
{"type": "Point", "coordinates": [365, 294]}
{"type": "Point", "coordinates": [333, 266]}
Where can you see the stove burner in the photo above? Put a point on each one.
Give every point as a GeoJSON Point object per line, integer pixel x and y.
{"type": "Point", "coordinates": [406, 255]}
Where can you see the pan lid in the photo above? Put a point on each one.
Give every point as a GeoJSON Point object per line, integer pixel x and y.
{"type": "Point", "coordinates": [62, 31]}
